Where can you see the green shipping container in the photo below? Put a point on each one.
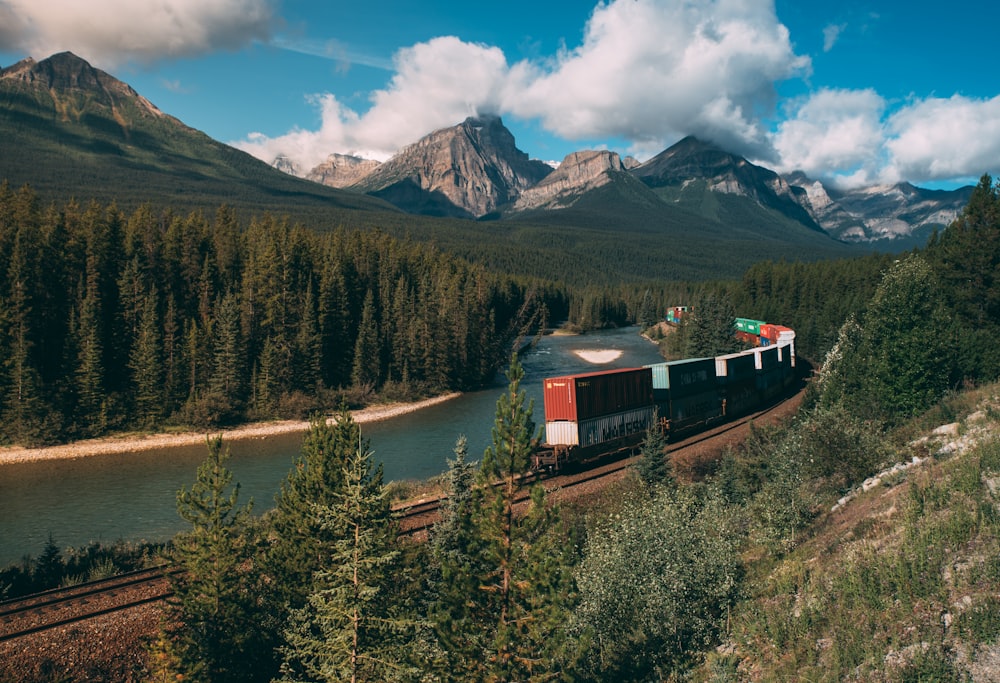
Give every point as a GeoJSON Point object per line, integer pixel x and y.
{"type": "Point", "coordinates": [749, 326]}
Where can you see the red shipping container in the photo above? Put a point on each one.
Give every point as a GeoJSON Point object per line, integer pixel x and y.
{"type": "Point", "coordinates": [769, 332]}
{"type": "Point", "coordinates": [589, 395]}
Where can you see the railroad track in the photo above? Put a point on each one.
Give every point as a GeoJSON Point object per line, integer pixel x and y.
{"type": "Point", "coordinates": [65, 606]}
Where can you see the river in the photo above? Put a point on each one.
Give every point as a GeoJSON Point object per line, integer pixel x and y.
{"type": "Point", "coordinates": [133, 496]}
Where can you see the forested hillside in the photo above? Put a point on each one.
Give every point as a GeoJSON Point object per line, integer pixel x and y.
{"type": "Point", "coordinates": [115, 320]}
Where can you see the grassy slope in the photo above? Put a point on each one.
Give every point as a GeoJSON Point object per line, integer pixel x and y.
{"type": "Point", "coordinates": [900, 583]}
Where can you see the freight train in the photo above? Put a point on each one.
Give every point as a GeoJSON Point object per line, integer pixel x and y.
{"type": "Point", "coordinates": [595, 413]}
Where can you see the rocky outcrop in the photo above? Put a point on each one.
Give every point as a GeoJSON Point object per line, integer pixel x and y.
{"type": "Point", "coordinates": [475, 166]}
{"type": "Point", "coordinates": [900, 213]}
{"type": "Point", "coordinates": [286, 165]}
{"type": "Point", "coordinates": [342, 170]}
{"type": "Point", "coordinates": [578, 173]}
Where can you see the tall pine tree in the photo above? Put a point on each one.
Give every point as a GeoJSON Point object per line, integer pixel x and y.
{"type": "Point", "coordinates": [349, 630]}
{"type": "Point", "coordinates": [216, 629]}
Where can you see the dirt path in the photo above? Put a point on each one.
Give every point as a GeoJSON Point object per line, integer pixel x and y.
{"type": "Point", "coordinates": [134, 443]}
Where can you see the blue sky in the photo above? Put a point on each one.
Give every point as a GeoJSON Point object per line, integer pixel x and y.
{"type": "Point", "coordinates": [853, 93]}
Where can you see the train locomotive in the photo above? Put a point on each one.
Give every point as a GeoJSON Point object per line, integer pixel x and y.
{"type": "Point", "coordinates": [597, 413]}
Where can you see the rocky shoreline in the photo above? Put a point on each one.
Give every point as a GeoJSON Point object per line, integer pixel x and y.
{"type": "Point", "coordinates": [135, 443]}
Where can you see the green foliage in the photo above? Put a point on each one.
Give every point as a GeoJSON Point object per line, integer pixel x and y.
{"type": "Point", "coordinates": [653, 466]}
{"type": "Point", "coordinates": [112, 321]}
{"type": "Point", "coordinates": [655, 582]}
{"type": "Point", "coordinates": [966, 258]}
{"type": "Point", "coordinates": [708, 330]}
{"type": "Point", "coordinates": [894, 598]}
{"type": "Point", "coordinates": [501, 612]}
{"type": "Point", "coordinates": [895, 363]}
{"type": "Point", "coordinates": [301, 542]}
{"type": "Point", "coordinates": [348, 629]}
{"type": "Point", "coordinates": [217, 629]}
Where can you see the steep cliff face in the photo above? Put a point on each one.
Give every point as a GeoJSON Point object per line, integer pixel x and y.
{"type": "Point", "coordinates": [342, 170]}
{"type": "Point", "coordinates": [474, 166]}
{"type": "Point", "coordinates": [578, 173]}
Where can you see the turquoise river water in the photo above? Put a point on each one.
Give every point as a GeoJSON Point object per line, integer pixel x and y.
{"type": "Point", "coordinates": [133, 496]}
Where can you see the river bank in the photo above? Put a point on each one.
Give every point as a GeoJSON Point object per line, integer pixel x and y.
{"type": "Point", "coordinates": [135, 443]}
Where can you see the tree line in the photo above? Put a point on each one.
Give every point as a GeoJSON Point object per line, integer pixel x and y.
{"type": "Point", "coordinates": [115, 321]}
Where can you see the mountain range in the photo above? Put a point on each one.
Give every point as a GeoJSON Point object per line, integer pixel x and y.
{"type": "Point", "coordinates": [694, 211]}
{"type": "Point", "coordinates": [474, 170]}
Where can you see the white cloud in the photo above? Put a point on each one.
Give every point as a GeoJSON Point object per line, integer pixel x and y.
{"type": "Point", "coordinates": [648, 71]}
{"type": "Point", "coordinates": [942, 139]}
{"type": "Point", "coordinates": [111, 32]}
{"type": "Point", "coordinates": [853, 138]}
{"type": "Point", "coordinates": [831, 34]}
{"type": "Point", "coordinates": [833, 132]}
{"type": "Point", "coordinates": [427, 92]}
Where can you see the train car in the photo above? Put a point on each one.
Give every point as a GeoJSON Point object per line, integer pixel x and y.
{"type": "Point", "coordinates": [685, 392]}
{"type": "Point", "coordinates": [675, 314]}
{"type": "Point", "coordinates": [749, 326]}
{"type": "Point", "coordinates": [592, 414]}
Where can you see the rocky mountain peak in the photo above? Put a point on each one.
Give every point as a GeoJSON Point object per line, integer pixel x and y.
{"type": "Point", "coordinates": [579, 172]}
{"type": "Point", "coordinates": [467, 170]}
{"type": "Point", "coordinates": [723, 172]}
{"type": "Point", "coordinates": [67, 75]}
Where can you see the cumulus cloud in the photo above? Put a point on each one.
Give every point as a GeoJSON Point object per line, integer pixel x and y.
{"type": "Point", "coordinates": [833, 131]}
{"type": "Point", "coordinates": [941, 139]}
{"type": "Point", "coordinates": [436, 84]}
{"type": "Point", "coordinates": [111, 32]}
{"type": "Point", "coordinates": [852, 138]}
{"type": "Point", "coordinates": [647, 71]}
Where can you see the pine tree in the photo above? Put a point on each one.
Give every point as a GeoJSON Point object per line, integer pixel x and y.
{"type": "Point", "coordinates": [521, 574]}
{"type": "Point", "coordinates": [301, 543]}
{"type": "Point", "coordinates": [455, 572]}
{"type": "Point", "coordinates": [709, 328]}
{"type": "Point", "coordinates": [653, 467]}
{"type": "Point", "coordinates": [367, 365]}
{"type": "Point", "coordinates": [897, 362]}
{"type": "Point", "coordinates": [227, 381]}
{"type": "Point", "coordinates": [90, 382]}
{"type": "Point", "coordinates": [218, 631]}
{"type": "Point", "coordinates": [349, 630]}
{"type": "Point", "coordinates": [146, 363]}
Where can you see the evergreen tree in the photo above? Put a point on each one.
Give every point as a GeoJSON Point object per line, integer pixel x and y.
{"type": "Point", "coordinates": [966, 259]}
{"type": "Point", "coordinates": [456, 571]}
{"type": "Point", "coordinates": [218, 630]}
{"type": "Point", "coordinates": [520, 573]}
{"type": "Point", "coordinates": [301, 542]}
{"type": "Point", "coordinates": [367, 363]}
{"type": "Point", "coordinates": [653, 467]}
{"type": "Point", "coordinates": [897, 363]}
{"type": "Point", "coordinates": [709, 328]}
{"type": "Point", "coordinates": [90, 384]}
{"type": "Point", "coordinates": [349, 629]}
{"type": "Point", "coordinates": [227, 381]}
{"type": "Point", "coordinates": [146, 364]}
